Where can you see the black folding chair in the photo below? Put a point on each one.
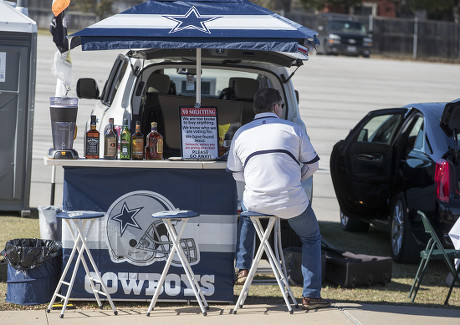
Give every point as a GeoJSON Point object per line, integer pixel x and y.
{"type": "Point", "coordinates": [433, 250]}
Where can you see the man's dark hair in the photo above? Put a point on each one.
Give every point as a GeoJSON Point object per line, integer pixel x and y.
{"type": "Point", "coordinates": [264, 100]}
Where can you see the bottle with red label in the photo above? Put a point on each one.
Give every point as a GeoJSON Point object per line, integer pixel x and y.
{"type": "Point", "coordinates": [154, 144]}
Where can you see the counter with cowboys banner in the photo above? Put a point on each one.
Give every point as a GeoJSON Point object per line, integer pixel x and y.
{"type": "Point", "coordinates": [130, 247]}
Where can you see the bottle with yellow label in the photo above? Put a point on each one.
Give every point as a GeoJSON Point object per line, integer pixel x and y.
{"type": "Point", "coordinates": [138, 143]}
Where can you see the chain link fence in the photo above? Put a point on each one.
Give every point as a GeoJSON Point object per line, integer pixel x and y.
{"type": "Point", "coordinates": [404, 37]}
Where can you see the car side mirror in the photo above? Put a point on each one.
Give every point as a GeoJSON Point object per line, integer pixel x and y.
{"type": "Point", "coordinates": [87, 88]}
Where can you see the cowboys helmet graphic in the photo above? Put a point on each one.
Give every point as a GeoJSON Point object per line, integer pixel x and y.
{"type": "Point", "coordinates": [135, 237]}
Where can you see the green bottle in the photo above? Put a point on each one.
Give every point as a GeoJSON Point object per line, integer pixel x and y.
{"type": "Point", "coordinates": [125, 142]}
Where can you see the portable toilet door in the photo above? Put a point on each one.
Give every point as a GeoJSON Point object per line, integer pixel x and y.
{"type": "Point", "coordinates": [18, 54]}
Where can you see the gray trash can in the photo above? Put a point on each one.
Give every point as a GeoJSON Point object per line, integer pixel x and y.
{"type": "Point", "coordinates": [50, 225]}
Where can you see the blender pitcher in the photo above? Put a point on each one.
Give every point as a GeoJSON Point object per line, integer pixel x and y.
{"type": "Point", "coordinates": [63, 112]}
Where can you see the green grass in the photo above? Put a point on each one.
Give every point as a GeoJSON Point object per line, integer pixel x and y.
{"type": "Point", "coordinates": [375, 242]}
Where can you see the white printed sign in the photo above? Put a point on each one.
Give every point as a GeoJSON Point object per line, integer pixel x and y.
{"type": "Point", "coordinates": [199, 132]}
{"type": "Point", "coordinates": [2, 66]}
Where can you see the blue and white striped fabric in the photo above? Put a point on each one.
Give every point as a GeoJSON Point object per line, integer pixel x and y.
{"type": "Point", "coordinates": [212, 24]}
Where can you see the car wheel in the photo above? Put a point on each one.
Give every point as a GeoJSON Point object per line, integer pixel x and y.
{"type": "Point", "coordinates": [351, 224]}
{"type": "Point", "coordinates": [403, 246]}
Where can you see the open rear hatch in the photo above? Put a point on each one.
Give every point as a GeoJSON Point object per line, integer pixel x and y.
{"type": "Point", "coordinates": [223, 57]}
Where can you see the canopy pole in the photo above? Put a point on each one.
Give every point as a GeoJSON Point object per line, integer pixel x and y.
{"type": "Point", "coordinates": [198, 77]}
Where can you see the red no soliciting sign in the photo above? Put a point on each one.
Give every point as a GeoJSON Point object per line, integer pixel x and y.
{"type": "Point", "coordinates": [199, 132]}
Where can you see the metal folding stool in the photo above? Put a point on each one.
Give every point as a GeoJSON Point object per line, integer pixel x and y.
{"type": "Point", "coordinates": [281, 279]}
{"type": "Point", "coordinates": [79, 220]}
{"type": "Point", "coordinates": [167, 217]}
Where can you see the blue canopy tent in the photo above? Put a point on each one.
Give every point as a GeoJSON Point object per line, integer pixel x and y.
{"type": "Point", "coordinates": [197, 24]}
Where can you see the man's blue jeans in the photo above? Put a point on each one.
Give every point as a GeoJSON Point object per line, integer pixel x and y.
{"type": "Point", "coordinates": [306, 227]}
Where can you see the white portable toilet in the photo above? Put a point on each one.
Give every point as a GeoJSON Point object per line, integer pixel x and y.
{"type": "Point", "coordinates": [18, 58]}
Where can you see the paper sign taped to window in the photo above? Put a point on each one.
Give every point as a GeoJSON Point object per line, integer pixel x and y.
{"type": "Point", "coordinates": [199, 133]}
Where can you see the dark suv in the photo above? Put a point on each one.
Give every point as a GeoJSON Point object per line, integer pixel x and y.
{"type": "Point", "coordinates": [343, 36]}
{"type": "Point", "coordinates": [395, 162]}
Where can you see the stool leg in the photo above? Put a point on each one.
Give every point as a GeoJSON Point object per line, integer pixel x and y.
{"type": "Point", "coordinates": [178, 236]}
{"type": "Point", "coordinates": [264, 236]}
{"type": "Point", "coordinates": [279, 246]}
{"type": "Point", "coordinates": [161, 281]}
{"type": "Point", "coordinates": [98, 274]}
{"type": "Point", "coordinates": [64, 273]}
{"type": "Point", "coordinates": [277, 271]}
{"type": "Point", "coordinates": [280, 257]}
{"type": "Point", "coordinates": [244, 292]}
{"type": "Point", "coordinates": [185, 264]}
{"type": "Point", "coordinates": [83, 261]}
{"type": "Point", "coordinates": [72, 280]}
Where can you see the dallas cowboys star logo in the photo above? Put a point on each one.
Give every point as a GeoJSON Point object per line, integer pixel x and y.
{"type": "Point", "coordinates": [126, 218]}
{"type": "Point", "coordinates": [191, 20]}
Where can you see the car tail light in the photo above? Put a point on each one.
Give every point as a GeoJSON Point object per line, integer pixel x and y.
{"type": "Point", "coordinates": [442, 180]}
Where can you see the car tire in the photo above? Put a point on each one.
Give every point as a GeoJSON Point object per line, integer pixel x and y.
{"type": "Point", "coordinates": [404, 249]}
{"type": "Point", "coordinates": [352, 224]}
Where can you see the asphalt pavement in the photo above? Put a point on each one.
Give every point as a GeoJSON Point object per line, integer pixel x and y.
{"type": "Point", "coordinates": [335, 93]}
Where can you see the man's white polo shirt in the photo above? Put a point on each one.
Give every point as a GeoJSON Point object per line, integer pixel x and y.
{"type": "Point", "coordinates": [268, 154]}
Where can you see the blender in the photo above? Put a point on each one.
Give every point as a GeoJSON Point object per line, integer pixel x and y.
{"type": "Point", "coordinates": [63, 112]}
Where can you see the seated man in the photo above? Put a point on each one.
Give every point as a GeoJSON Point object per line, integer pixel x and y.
{"type": "Point", "coordinates": [272, 156]}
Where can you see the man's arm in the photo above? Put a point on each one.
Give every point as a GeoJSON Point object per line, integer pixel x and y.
{"type": "Point", "coordinates": [308, 157]}
{"type": "Point", "coordinates": [234, 164]}
{"type": "Point", "coordinates": [309, 169]}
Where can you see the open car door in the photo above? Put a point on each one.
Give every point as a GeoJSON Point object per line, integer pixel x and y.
{"type": "Point", "coordinates": [362, 164]}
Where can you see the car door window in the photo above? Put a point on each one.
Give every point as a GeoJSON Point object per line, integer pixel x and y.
{"type": "Point", "coordinates": [417, 139]}
{"type": "Point", "coordinates": [113, 82]}
{"type": "Point", "coordinates": [380, 129]}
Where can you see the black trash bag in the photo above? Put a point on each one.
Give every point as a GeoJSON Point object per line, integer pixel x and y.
{"type": "Point", "coordinates": [28, 253]}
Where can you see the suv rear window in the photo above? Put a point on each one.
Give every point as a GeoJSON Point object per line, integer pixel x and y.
{"type": "Point", "coordinates": [213, 81]}
{"type": "Point", "coordinates": [347, 26]}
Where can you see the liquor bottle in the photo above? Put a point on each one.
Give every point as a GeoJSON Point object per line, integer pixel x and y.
{"type": "Point", "coordinates": [154, 146]}
{"type": "Point", "coordinates": [110, 141]}
{"type": "Point", "coordinates": [92, 141]}
{"type": "Point", "coordinates": [125, 142]}
{"type": "Point", "coordinates": [138, 143]}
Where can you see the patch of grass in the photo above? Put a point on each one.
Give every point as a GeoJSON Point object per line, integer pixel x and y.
{"type": "Point", "coordinates": [13, 227]}
{"type": "Point", "coordinates": [375, 242]}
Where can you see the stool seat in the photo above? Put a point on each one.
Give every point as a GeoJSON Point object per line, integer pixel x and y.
{"type": "Point", "coordinates": [181, 217]}
{"type": "Point", "coordinates": [175, 214]}
{"type": "Point", "coordinates": [255, 214]}
{"type": "Point", "coordinates": [80, 214]}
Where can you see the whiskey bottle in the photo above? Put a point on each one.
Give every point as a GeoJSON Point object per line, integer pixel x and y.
{"type": "Point", "coordinates": [138, 143]}
{"type": "Point", "coordinates": [92, 141]}
{"type": "Point", "coordinates": [110, 141]}
{"type": "Point", "coordinates": [154, 146]}
{"type": "Point", "coordinates": [125, 142]}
